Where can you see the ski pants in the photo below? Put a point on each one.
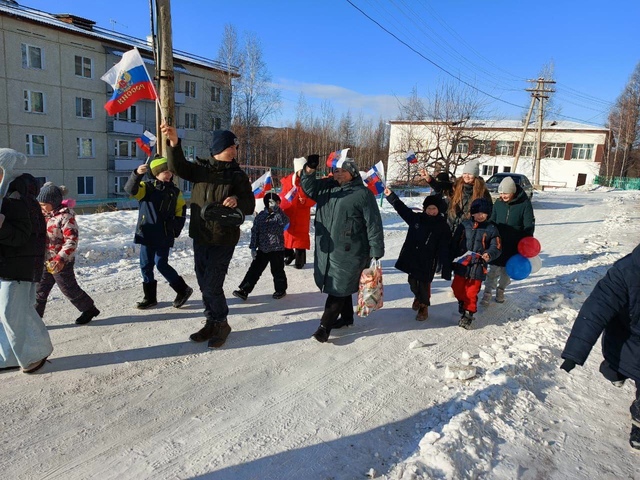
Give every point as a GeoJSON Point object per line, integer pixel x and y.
{"type": "Point", "coordinates": [68, 285]}
{"type": "Point", "coordinates": [466, 291]}
{"type": "Point", "coordinates": [259, 264]}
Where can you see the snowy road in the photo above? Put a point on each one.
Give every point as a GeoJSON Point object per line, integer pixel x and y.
{"type": "Point", "coordinates": [128, 396]}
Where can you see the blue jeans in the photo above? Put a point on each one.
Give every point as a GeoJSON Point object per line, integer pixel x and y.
{"type": "Point", "coordinates": [211, 265]}
{"type": "Point", "coordinates": [159, 257]}
{"type": "Point", "coordinates": [24, 338]}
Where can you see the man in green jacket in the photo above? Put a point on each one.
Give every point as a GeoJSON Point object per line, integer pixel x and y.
{"type": "Point", "coordinates": [348, 235]}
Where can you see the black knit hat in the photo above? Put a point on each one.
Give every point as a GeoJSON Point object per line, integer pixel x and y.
{"type": "Point", "coordinates": [50, 194]}
{"type": "Point", "coordinates": [481, 205]}
{"type": "Point", "coordinates": [270, 196]}
{"type": "Point", "coordinates": [222, 139]}
{"type": "Point", "coordinates": [432, 200]}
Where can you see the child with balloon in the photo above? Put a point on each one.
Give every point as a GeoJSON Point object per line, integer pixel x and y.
{"type": "Point", "coordinates": [513, 215]}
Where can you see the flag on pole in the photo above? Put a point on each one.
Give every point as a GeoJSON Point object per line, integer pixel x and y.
{"type": "Point", "coordinates": [262, 185]}
{"type": "Point", "coordinates": [337, 158]}
{"type": "Point", "coordinates": [146, 142]}
{"type": "Point", "coordinates": [130, 81]}
{"type": "Point", "coordinates": [411, 157]}
{"type": "Point", "coordinates": [291, 193]}
{"type": "Point", "coordinates": [374, 178]}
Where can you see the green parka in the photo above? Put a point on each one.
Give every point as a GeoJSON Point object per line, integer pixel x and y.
{"type": "Point", "coordinates": [515, 221]}
{"type": "Point", "coordinates": [348, 232]}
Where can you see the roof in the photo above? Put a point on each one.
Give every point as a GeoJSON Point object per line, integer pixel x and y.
{"type": "Point", "coordinates": [559, 125]}
{"type": "Point", "coordinates": [87, 28]}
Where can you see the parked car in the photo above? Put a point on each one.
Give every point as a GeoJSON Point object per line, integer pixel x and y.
{"type": "Point", "coordinates": [518, 178]}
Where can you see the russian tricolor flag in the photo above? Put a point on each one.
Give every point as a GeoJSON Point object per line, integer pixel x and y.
{"type": "Point", "coordinates": [146, 142]}
{"type": "Point", "coordinates": [374, 179]}
{"type": "Point", "coordinates": [291, 193]}
{"type": "Point", "coordinates": [130, 81]}
{"type": "Point", "coordinates": [262, 185]}
{"type": "Point", "coordinates": [335, 159]}
{"type": "Point", "coordinates": [411, 157]}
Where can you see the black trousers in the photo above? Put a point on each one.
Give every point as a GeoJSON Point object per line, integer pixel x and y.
{"type": "Point", "coordinates": [298, 254]}
{"type": "Point", "coordinates": [336, 307]}
{"type": "Point", "coordinates": [259, 264]}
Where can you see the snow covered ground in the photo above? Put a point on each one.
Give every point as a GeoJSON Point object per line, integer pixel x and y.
{"type": "Point", "coordinates": [128, 396]}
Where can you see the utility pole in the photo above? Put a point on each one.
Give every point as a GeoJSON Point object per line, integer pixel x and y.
{"type": "Point", "coordinates": [539, 94]}
{"type": "Point", "coordinates": [164, 68]}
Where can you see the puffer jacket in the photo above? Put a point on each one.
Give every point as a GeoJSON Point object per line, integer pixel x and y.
{"type": "Point", "coordinates": [480, 238]}
{"type": "Point", "coordinates": [62, 234]}
{"type": "Point", "coordinates": [267, 232]}
{"type": "Point", "coordinates": [613, 311]}
{"type": "Point", "coordinates": [17, 246]}
{"type": "Point", "coordinates": [213, 181]}
{"type": "Point", "coordinates": [299, 212]}
{"type": "Point", "coordinates": [515, 220]}
{"type": "Point", "coordinates": [162, 211]}
{"type": "Point", "coordinates": [348, 232]}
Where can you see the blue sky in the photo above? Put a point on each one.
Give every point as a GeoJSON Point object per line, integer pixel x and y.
{"type": "Point", "coordinates": [329, 49]}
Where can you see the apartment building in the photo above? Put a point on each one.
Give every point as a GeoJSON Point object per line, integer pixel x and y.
{"type": "Point", "coordinates": [572, 152]}
{"type": "Point", "coordinates": [52, 106]}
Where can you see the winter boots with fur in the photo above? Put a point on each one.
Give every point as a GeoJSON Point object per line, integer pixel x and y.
{"type": "Point", "coordinates": [183, 291]}
{"type": "Point", "coordinates": [87, 316]}
{"type": "Point", "coordinates": [150, 299]}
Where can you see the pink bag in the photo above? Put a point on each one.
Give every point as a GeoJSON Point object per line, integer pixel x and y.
{"type": "Point", "coordinates": [370, 291]}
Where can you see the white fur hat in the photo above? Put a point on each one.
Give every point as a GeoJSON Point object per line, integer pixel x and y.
{"type": "Point", "coordinates": [298, 163]}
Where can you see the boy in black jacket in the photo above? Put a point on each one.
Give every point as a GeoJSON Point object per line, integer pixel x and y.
{"type": "Point", "coordinates": [161, 217]}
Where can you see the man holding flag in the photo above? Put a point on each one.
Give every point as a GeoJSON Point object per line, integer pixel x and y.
{"type": "Point", "coordinates": [218, 182]}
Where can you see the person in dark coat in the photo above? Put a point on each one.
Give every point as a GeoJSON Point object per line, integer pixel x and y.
{"type": "Point", "coordinates": [348, 235]}
{"type": "Point", "coordinates": [24, 339]}
{"type": "Point", "coordinates": [513, 214]}
{"type": "Point", "coordinates": [161, 217]}
{"type": "Point", "coordinates": [469, 187]}
{"type": "Point", "coordinates": [218, 181]}
{"type": "Point", "coordinates": [267, 248]}
{"type": "Point", "coordinates": [426, 245]}
{"type": "Point", "coordinates": [475, 243]}
{"type": "Point", "coordinates": [442, 188]}
{"type": "Point", "coordinates": [613, 311]}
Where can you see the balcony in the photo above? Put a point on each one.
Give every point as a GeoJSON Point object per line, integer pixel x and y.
{"type": "Point", "coordinates": [130, 128]}
{"type": "Point", "coordinates": [124, 164]}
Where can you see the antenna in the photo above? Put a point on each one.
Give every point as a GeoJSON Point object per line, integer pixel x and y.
{"type": "Point", "coordinates": [114, 22]}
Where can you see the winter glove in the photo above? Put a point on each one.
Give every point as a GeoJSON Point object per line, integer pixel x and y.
{"type": "Point", "coordinates": [313, 161]}
{"type": "Point", "coordinates": [254, 253]}
{"type": "Point", "coordinates": [1, 219]}
{"type": "Point", "coordinates": [568, 365]}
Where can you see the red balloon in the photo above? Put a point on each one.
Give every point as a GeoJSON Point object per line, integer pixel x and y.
{"type": "Point", "coordinates": [529, 247]}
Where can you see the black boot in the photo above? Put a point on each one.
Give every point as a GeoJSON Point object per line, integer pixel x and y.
{"type": "Point", "coordinates": [150, 299]}
{"type": "Point", "coordinates": [183, 290]}
{"type": "Point", "coordinates": [289, 256]}
{"type": "Point", "coordinates": [301, 258]}
{"type": "Point", "coordinates": [87, 316]}
{"type": "Point", "coordinates": [322, 334]}
{"type": "Point", "coordinates": [207, 332]}
{"type": "Point", "coordinates": [220, 336]}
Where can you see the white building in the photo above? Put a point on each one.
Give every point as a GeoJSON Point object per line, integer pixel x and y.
{"type": "Point", "coordinates": [53, 107]}
{"type": "Point", "coordinates": [572, 152]}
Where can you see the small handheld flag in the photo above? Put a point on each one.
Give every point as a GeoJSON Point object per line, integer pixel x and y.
{"type": "Point", "coordinates": [374, 178]}
{"type": "Point", "coordinates": [411, 157]}
{"type": "Point", "coordinates": [146, 142]}
{"type": "Point", "coordinates": [262, 185]}
{"type": "Point", "coordinates": [337, 158]}
{"type": "Point", "coordinates": [130, 81]}
{"type": "Point", "coordinates": [291, 193]}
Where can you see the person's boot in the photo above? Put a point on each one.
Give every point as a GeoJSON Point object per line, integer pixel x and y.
{"type": "Point", "coordinates": [279, 295]}
{"type": "Point", "coordinates": [415, 305]}
{"type": "Point", "coordinates": [183, 291]}
{"type": "Point", "coordinates": [150, 299]}
{"type": "Point", "coordinates": [300, 258]}
{"type": "Point", "coordinates": [220, 336]}
{"type": "Point", "coordinates": [465, 320]}
{"type": "Point", "coordinates": [241, 293]}
{"type": "Point", "coordinates": [322, 334]}
{"type": "Point", "coordinates": [87, 316]}
{"type": "Point", "coordinates": [289, 256]}
{"type": "Point", "coordinates": [486, 298]}
{"type": "Point", "coordinates": [423, 312]}
{"type": "Point", "coordinates": [634, 438]}
{"type": "Point", "coordinates": [207, 332]}
{"type": "Point", "coordinates": [500, 295]}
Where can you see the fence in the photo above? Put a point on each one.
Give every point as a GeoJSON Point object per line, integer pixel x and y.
{"type": "Point", "coordinates": [623, 183]}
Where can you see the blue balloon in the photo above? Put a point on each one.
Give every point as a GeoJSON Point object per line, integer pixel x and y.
{"type": "Point", "coordinates": [518, 267]}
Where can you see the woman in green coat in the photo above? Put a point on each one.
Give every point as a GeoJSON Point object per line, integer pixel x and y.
{"type": "Point", "coordinates": [348, 235]}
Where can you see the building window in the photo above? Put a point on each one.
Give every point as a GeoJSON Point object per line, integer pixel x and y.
{"type": "Point", "coordinates": [489, 169]}
{"type": "Point", "coordinates": [85, 186]}
{"type": "Point", "coordinates": [31, 56]}
{"type": "Point", "coordinates": [190, 89]}
{"type": "Point", "coordinates": [581, 151]}
{"type": "Point", "coordinates": [462, 147]}
{"type": "Point", "coordinates": [481, 148]}
{"type": "Point", "coordinates": [504, 148]}
{"type": "Point", "coordinates": [126, 148]}
{"type": "Point", "coordinates": [83, 67]}
{"type": "Point", "coordinates": [190, 121]}
{"type": "Point", "coordinates": [85, 147]}
{"type": "Point", "coordinates": [506, 169]}
{"type": "Point", "coordinates": [84, 107]}
{"type": "Point", "coordinates": [189, 153]}
{"type": "Point", "coordinates": [33, 101]}
{"type": "Point", "coordinates": [129, 115]}
{"type": "Point", "coordinates": [216, 94]}
{"type": "Point", "coordinates": [186, 186]}
{"type": "Point", "coordinates": [554, 150]}
{"type": "Point", "coordinates": [216, 123]}
{"type": "Point", "coordinates": [119, 184]}
{"type": "Point", "coordinates": [36, 145]}
{"type": "Point", "coordinates": [528, 149]}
